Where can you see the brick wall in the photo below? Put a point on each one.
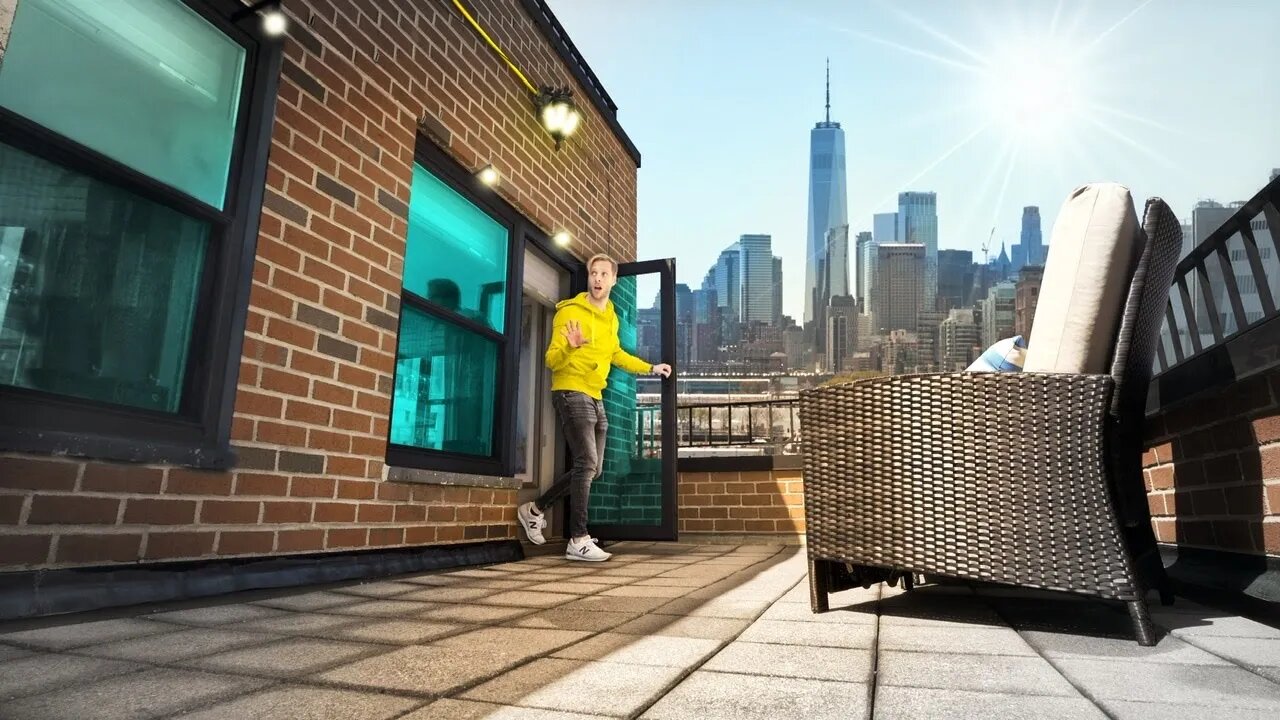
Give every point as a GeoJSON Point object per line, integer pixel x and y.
{"type": "Point", "coordinates": [1212, 468]}
{"type": "Point", "coordinates": [315, 381]}
{"type": "Point", "coordinates": [756, 502]}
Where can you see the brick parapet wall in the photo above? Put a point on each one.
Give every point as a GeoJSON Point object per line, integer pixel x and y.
{"type": "Point", "coordinates": [1212, 469]}
{"type": "Point", "coordinates": [754, 502]}
{"type": "Point", "coordinates": [314, 392]}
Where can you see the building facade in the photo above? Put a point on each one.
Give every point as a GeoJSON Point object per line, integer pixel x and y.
{"type": "Point", "coordinates": [297, 333]}
{"type": "Point", "coordinates": [1027, 295]}
{"type": "Point", "coordinates": [918, 225]}
{"type": "Point", "coordinates": [828, 203]}
{"type": "Point", "coordinates": [955, 279]}
{"type": "Point", "coordinates": [842, 332]}
{"type": "Point", "coordinates": [998, 312]}
{"type": "Point", "coordinates": [899, 287]}
{"type": "Point", "coordinates": [961, 340]}
{"type": "Point", "coordinates": [756, 283]}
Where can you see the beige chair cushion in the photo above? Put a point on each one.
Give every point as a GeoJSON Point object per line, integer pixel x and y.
{"type": "Point", "coordinates": [1093, 251]}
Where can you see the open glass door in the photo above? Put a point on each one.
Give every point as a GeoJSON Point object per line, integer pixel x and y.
{"type": "Point", "coordinates": [635, 496]}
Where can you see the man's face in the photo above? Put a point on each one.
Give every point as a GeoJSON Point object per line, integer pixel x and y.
{"type": "Point", "coordinates": [600, 280]}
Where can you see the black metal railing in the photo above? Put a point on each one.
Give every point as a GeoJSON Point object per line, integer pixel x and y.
{"type": "Point", "coordinates": [770, 427]}
{"type": "Point", "coordinates": [1225, 285]}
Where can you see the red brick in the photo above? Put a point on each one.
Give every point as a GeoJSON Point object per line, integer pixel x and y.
{"type": "Point", "coordinates": [221, 512]}
{"type": "Point", "coordinates": [371, 512]}
{"type": "Point", "coordinates": [1162, 478]}
{"type": "Point", "coordinates": [249, 542]}
{"type": "Point", "coordinates": [1273, 499]}
{"type": "Point", "coordinates": [1166, 531]}
{"type": "Point", "coordinates": [449, 533]}
{"type": "Point", "coordinates": [469, 514]}
{"type": "Point", "coordinates": [1271, 537]}
{"type": "Point", "coordinates": [300, 540]}
{"type": "Point", "coordinates": [275, 433]}
{"type": "Point", "coordinates": [394, 492]}
{"type": "Point", "coordinates": [307, 412]}
{"type": "Point", "coordinates": [313, 365]}
{"type": "Point", "coordinates": [30, 474]}
{"type": "Point", "coordinates": [261, 484]}
{"type": "Point", "coordinates": [760, 526]}
{"type": "Point", "coordinates": [196, 482]}
{"type": "Point", "coordinates": [347, 537]}
{"type": "Point", "coordinates": [326, 440]}
{"type": "Point", "coordinates": [346, 466]}
{"type": "Point", "coordinates": [1223, 469]}
{"type": "Point", "coordinates": [25, 550]}
{"type": "Point", "coordinates": [441, 513]}
{"type": "Point", "coordinates": [729, 525]}
{"type": "Point", "coordinates": [369, 446]}
{"type": "Point", "coordinates": [698, 525]}
{"type": "Point", "coordinates": [411, 513]}
{"type": "Point", "coordinates": [170, 545]}
{"type": "Point", "coordinates": [73, 510]}
{"type": "Point", "coordinates": [335, 512]}
{"type": "Point", "coordinates": [358, 377]}
{"type": "Point", "coordinates": [289, 332]}
{"type": "Point", "coordinates": [284, 381]}
{"type": "Point", "coordinates": [99, 477]}
{"type": "Point", "coordinates": [312, 487]}
{"type": "Point", "coordinates": [286, 512]}
{"type": "Point", "coordinates": [744, 513]}
{"type": "Point", "coordinates": [1266, 429]}
{"type": "Point", "coordinates": [382, 537]}
{"type": "Point", "coordinates": [1245, 500]}
{"type": "Point", "coordinates": [1270, 462]}
{"type": "Point", "coordinates": [252, 403]}
{"type": "Point", "coordinates": [481, 497]}
{"type": "Point", "coordinates": [149, 511]}
{"type": "Point", "coordinates": [89, 549]}
{"type": "Point", "coordinates": [11, 509]}
{"type": "Point", "coordinates": [420, 535]}
{"type": "Point", "coordinates": [353, 421]}
{"type": "Point", "coordinates": [357, 489]}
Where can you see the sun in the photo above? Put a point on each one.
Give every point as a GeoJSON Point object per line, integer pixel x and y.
{"type": "Point", "coordinates": [1034, 92]}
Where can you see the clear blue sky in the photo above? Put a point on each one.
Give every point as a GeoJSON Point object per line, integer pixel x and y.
{"type": "Point", "coordinates": [992, 104]}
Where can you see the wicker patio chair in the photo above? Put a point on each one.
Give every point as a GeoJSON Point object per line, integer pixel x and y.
{"type": "Point", "coordinates": [1031, 479]}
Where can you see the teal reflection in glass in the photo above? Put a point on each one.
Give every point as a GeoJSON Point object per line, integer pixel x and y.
{"type": "Point", "coordinates": [629, 491]}
{"type": "Point", "coordinates": [444, 387]}
{"type": "Point", "coordinates": [148, 83]}
{"type": "Point", "coordinates": [98, 287]}
{"type": "Point", "coordinates": [456, 254]}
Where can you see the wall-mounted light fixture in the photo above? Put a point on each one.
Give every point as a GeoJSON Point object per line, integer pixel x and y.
{"type": "Point", "coordinates": [562, 238]}
{"type": "Point", "coordinates": [488, 175]}
{"type": "Point", "coordinates": [554, 106]}
{"type": "Point", "coordinates": [274, 22]}
{"type": "Point", "coordinates": [559, 114]}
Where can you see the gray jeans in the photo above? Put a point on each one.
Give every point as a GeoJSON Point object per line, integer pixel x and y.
{"type": "Point", "coordinates": [585, 426]}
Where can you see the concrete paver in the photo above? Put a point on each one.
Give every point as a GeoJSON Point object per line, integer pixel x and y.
{"type": "Point", "coordinates": [660, 631]}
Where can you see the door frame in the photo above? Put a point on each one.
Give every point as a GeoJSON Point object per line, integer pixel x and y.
{"type": "Point", "coordinates": [668, 529]}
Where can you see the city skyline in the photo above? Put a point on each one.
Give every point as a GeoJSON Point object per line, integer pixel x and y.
{"type": "Point", "coordinates": [720, 128]}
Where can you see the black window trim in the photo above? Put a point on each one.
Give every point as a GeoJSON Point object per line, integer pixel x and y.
{"type": "Point", "coordinates": [199, 435]}
{"type": "Point", "coordinates": [522, 233]}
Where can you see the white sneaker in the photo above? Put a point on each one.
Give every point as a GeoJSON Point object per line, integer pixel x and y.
{"type": "Point", "coordinates": [532, 523]}
{"type": "Point", "coordinates": [588, 551]}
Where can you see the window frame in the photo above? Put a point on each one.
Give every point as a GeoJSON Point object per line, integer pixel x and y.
{"type": "Point", "coordinates": [521, 234]}
{"type": "Point", "coordinates": [199, 434]}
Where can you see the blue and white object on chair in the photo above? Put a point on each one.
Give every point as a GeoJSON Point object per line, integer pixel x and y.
{"type": "Point", "coordinates": [1006, 355]}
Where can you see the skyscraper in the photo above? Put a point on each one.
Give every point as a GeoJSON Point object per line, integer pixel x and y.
{"type": "Point", "coordinates": [1030, 248]}
{"type": "Point", "coordinates": [859, 274]}
{"type": "Point", "coordinates": [727, 283]}
{"type": "Point", "coordinates": [837, 265]}
{"type": "Point", "coordinates": [884, 227]}
{"type": "Point", "coordinates": [955, 279]}
{"type": "Point", "coordinates": [842, 331]}
{"type": "Point", "coordinates": [918, 225]}
{"type": "Point", "coordinates": [899, 284]}
{"type": "Point", "coordinates": [777, 290]}
{"type": "Point", "coordinates": [756, 264]}
{"type": "Point", "coordinates": [827, 203]}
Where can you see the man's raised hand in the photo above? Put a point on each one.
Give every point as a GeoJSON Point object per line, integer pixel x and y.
{"type": "Point", "coordinates": [573, 334]}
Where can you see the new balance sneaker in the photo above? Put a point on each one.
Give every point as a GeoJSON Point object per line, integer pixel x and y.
{"type": "Point", "coordinates": [588, 551]}
{"type": "Point", "coordinates": [532, 522]}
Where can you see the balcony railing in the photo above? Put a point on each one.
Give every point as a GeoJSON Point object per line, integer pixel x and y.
{"type": "Point", "coordinates": [758, 427]}
{"type": "Point", "coordinates": [1227, 285]}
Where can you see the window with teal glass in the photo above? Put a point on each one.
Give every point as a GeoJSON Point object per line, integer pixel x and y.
{"type": "Point", "coordinates": [98, 287]}
{"type": "Point", "coordinates": [148, 83]}
{"type": "Point", "coordinates": [456, 255]}
{"type": "Point", "coordinates": [444, 388]}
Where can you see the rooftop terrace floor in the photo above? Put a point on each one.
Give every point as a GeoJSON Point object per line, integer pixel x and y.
{"type": "Point", "coordinates": [672, 631]}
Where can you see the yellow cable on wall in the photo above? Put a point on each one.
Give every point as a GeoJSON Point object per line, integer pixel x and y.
{"type": "Point", "coordinates": [495, 47]}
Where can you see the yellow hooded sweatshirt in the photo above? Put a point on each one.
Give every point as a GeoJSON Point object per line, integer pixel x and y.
{"type": "Point", "coordinates": [586, 368]}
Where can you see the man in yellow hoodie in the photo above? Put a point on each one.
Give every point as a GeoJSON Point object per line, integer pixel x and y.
{"type": "Point", "coordinates": [584, 345]}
